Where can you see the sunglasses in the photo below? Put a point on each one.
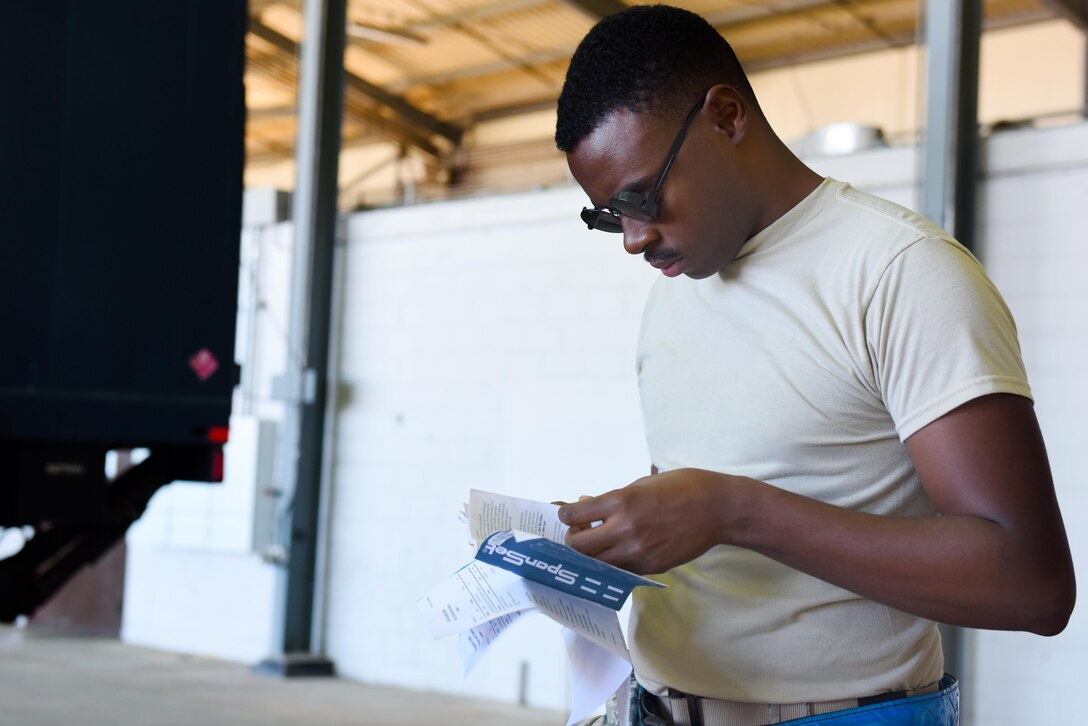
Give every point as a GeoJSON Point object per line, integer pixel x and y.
{"type": "Point", "coordinates": [643, 207]}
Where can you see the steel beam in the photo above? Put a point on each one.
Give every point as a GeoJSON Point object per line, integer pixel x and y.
{"type": "Point", "coordinates": [950, 147]}
{"type": "Point", "coordinates": [314, 216]}
{"type": "Point", "coordinates": [283, 69]}
{"type": "Point", "coordinates": [408, 113]}
{"type": "Point", "coordinates": [950, 167]}
{"type": "Point", "coordinates": [597, 9]}
{"type": "Point", "coordinates": [470, 15]}
{"type": "Point", "coordinates": [1076, 11]}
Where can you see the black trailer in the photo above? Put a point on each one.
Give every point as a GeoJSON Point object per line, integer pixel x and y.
{"type": "Point", "coordinates": [121, 155]}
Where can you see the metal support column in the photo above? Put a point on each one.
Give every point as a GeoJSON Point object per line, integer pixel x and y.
{"type": "Point", "coordinates": [951, 148]}
{"type": "Point", "coordinates": [950, 161]}
{"type": "Point", "coordinates": [304, 385]}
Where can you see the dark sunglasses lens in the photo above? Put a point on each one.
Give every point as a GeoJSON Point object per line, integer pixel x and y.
{"type": "Point", "coordinates": [633, 205]}
{"type": "Point", "coordinates": [601, 219]}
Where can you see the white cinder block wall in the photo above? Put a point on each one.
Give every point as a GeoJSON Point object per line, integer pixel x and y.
{"type": "Point", "coordinates": [1034, 236]}
{"type": "Point", "coordinates": [486, 343]}
{"type": "Point", "coordinates": [194, 579]}
{"type": "Point", "coordinates": [490, 343]}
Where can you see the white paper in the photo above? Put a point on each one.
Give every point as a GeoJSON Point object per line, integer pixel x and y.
{"type": "Point", "coordinates": [596, 674]}
{"type": "Point", "coordinates": [590, 620]}
{"type": "Point", "coordinates": [481, 601]}
{"type": "Point", "coordinates": [471, 596]}
{"type": "Point", "coordinates": [473, 643]}
{"type": "Point", "coordinates": [623, 700]}
{"type": "Point", "coordinates": [489, 512]}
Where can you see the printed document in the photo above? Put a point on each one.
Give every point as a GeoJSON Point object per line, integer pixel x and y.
{"type": "Point", "coordinates": [522, 567]}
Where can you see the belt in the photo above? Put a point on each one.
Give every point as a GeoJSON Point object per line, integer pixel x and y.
{"type": "Point", "coordinates": [685, 709]}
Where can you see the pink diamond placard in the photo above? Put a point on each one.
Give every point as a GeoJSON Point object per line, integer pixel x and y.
{"type": "Point", "coordinates": [204, 364]}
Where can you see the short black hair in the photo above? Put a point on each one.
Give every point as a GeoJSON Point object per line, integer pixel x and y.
{"type": "Point", "coordinates": [649, 58]}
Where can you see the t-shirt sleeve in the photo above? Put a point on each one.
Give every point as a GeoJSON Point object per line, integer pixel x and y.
{"type": "Point", "coordinates": [939, 335]}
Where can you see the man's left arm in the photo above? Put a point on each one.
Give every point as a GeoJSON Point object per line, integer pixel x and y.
{"type": "Point", "coordinates": [986, 460]}
{"type": "Point", "coordinates": [996, 556]}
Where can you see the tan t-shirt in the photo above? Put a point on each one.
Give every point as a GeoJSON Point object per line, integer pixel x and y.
{"type": "Point", "coordinates": [836, 333]}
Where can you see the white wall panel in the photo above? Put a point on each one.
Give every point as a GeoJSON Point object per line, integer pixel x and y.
{"type": "Point", "coordinates": [1035, 231]}
{"type": "Point", "coordinates": [192, 600]}
{"type": "Point", "coordinates": [490, 344]}
{"type": "Point", "coordinates": [194, 579]}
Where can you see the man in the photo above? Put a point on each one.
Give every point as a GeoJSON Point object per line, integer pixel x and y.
{"type": "Point", "coordinates": [845, 449]}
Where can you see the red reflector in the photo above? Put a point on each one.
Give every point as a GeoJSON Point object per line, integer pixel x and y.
{"type": "Point", "coordinates": [219, 434]}
{"type": "Point", "coordinates": [217, 465]}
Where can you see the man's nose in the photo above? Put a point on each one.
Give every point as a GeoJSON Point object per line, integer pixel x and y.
{"type": "Point", "coordinates": [636, 235]}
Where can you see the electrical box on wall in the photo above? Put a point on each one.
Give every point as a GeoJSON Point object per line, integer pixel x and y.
{"type": "Point", "coordinates": [265, 206]}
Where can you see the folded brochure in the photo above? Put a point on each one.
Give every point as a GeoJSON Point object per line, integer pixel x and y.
{"type": "Point", "coordinates": [521, 565]}
{"type": "Point", "coordinates": [560, 567]}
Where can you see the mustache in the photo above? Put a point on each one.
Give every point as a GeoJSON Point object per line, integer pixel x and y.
{"type": "Point", "coordinates": [660, 256]}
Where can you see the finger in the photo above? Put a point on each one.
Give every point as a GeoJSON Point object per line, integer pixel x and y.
{"type": "Point", "coordinates": [585, 511]}
{"type": "Point", "coordinates": [562, 504]}
{"type": "Point", "coordinates": [590, 540]}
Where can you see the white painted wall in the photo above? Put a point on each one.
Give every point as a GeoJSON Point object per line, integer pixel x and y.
{"type": "Point", "coordinates": [194, 580]}
{"type": "Point", "coordinates": [1035, 245]}
{"type": "Point", "coordinates": [486, 343]}
{"type": "Point", "coordinates": [490, 343]}
{"type": "Point", "coordinates": [193, 583]}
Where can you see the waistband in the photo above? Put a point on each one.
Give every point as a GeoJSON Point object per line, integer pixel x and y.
{"type": "Point", "coordinates": [685, 709]}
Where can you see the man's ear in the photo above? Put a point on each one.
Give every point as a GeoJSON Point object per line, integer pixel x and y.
{"type": "Point", "coordinates": [729, 108]}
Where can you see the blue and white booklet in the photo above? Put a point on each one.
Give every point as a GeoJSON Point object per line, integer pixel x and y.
{"type": "Point", "coordinates": [555, 565]}
{"type": "Point", "coordinates": [522, 566]}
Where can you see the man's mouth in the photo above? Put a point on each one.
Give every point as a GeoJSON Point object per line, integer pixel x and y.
{"type": "Point", "coordinates": [667, 262]}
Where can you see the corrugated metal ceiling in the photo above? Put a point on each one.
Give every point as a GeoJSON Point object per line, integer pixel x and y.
{"type": "Point", "coordinates": [421, 72]}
